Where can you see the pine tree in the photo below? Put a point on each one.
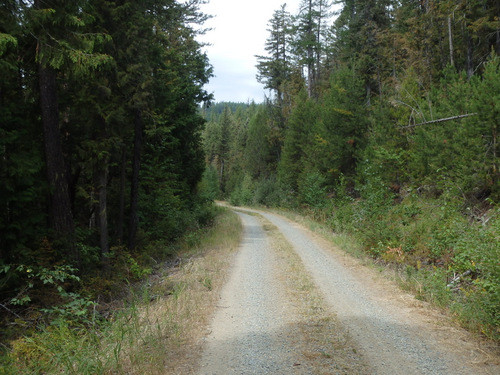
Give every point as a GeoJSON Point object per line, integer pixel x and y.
{"type": "Point", "coordinates": [275, 68]}
{"type": "Point", "coordinates": [60, 48]}
{"type": "Point", "coordinates": [22, 189]}
{"type": "Point", "coordinates": [487, 127]}
{"type": "Point", "coordinates": [310, 30]}
{"type": "Point", "coordinates": [361, 43]}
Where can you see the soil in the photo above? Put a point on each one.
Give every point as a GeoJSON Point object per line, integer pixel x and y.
{"type": "Point", "coordinates": [295, 304]}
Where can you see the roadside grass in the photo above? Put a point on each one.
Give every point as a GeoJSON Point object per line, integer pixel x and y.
{"type": "Point", "coordinates": [323, 343]}
{"type": "Point", "coordinates": [430, 247]}
{"type": "Point", "coordinates": [431, 250]}
{"type": "Point", "coordinates": [167, 315]}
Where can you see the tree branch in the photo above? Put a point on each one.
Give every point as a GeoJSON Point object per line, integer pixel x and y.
{"type": "Point", "coordinates": [439, 120]}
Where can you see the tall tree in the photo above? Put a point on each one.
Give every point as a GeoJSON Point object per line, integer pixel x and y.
{"type": "Point", "coordinates": [310, 34]}
{"type": "Point", "coordinates": [59, 47]}
{"type": "Point", "coordinates": [360, 39]}
{"type": "Point", "coordinates": [22, 189]}
{"type": "Point", "coordinates": [275, 68]}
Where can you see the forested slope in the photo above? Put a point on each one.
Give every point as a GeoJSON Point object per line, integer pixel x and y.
{"type": "Point", "coordinates": [383, 122]}
{"type": "Point", "coordinates": [100, 144]}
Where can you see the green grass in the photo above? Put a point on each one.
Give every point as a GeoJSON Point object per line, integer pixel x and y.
{"type": "Point", "coordinates": [168, 312]}
{"type": "Point", "coordinates": [427, 242]}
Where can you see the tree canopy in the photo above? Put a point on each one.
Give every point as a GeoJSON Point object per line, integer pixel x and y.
{"type": "Point", "coordinates": [100, 133]}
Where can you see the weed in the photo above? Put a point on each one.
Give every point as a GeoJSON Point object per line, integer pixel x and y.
{"type": "Point", "coordinates": [140, 337]}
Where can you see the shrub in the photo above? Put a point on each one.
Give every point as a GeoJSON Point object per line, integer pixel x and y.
{"type": "Point", "coordinates": [312, 191]}
{"type": "Point", "coordinates": [268, 192]}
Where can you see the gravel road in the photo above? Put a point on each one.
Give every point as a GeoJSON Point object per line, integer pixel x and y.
{"type": "Point", "coordinates": [393, 332]}
{"type": "Point", "coordinates": [249, 329]}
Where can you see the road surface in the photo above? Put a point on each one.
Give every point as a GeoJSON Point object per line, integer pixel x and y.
{"type": "Point", "coordinates": [373, 328]}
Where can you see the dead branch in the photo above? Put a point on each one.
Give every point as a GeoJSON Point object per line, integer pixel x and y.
{"type": "Point", "coordinates": [457, 278]}
{"type": "Point", "coordinates": [439, 120]}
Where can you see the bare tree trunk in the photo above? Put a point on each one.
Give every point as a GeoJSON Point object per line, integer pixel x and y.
{"type": "Point", "coordinates": [310, 53]}
{"type": "Point", "coordinates": [102, 182]}
{"type": "Point", "coordinates": [134, 191]}
{"type": "Point", "coordinates": [469, 68]}
{"type": "Point", "coordinates": [61, 218]}
{"type": "Point", "coordinates": [450, 39]}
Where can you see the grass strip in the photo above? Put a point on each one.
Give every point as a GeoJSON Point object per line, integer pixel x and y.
{"type": "Point", "coordinates": [324, 343]}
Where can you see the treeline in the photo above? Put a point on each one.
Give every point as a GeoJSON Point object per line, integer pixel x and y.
{"type": "Point", "coordinates": [382, 122]}
{"type": "Point", "coordinates": [100, 142]}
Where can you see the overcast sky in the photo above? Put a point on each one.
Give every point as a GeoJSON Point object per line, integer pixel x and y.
{"type": "Point", "coordinates": [239, 33]}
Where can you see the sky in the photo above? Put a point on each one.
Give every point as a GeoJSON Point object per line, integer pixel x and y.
{"type": "Point", "coordinates": [239, 33]}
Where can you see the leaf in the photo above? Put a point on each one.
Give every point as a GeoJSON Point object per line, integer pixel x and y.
{"type": "Point", "coordinates": [5, 41]}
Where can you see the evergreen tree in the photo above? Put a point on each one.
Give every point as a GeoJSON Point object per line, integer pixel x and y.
{"type": "Point", "coordinates": [257, 151]}
{"type": "Point", "coordinates": [361, 43]}
{"type": "Point", "coordinates": [22, 189]}
{"type": "Point", "coordinates": [310, 32]}
{"type": "Point", "coordinates": [297, 139]}
{"type": "Point", "coordinates": [60, 48]}
{"type": "Point", "coordinates": [275, 68]}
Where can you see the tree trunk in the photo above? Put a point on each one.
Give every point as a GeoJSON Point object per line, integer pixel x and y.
{"type": "Point", "coordinates": [134, 190]}
{"type": "Point", "coordinates": [498, 42]}
{"type": "Point", "coordinates": [469, 68]}
{"type": "Point", "coordinates": [121, 213]}
{"type": "Point", "coordinates": [450, 40]}
{"type": "Point", "coordinates": [310, 53]}
{"type": "Point", "coordinates": [61, 218]}
{"type": "Point", "coordinates": [102, 182]}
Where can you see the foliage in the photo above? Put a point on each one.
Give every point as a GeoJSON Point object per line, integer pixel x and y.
{"type": "Point", "coordinates": [384, 123]}
{"type": "Point", "coordinates": [151, 323]}
{"type": "Point", "coordinates": [311, 189]}
{"type": "Point", "coordinates": [243, 194]}
{"type": "Point", "coordinates": [209, 185]}
{"type": "Point", "coordinates": [120, 105]}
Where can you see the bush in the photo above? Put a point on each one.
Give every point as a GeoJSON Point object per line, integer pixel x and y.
{"type": "Point", "coordinates": [244, 193]}
{"type": "Point", "coordinates": [312, 191]}
{"type": "Point", "coordinates": [268, 192]}
{"type": "Point", "coordinates": [209, 187]}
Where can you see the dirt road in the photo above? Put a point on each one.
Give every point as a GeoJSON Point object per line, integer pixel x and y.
{"type": "Point", "coordinates": [366, 325]}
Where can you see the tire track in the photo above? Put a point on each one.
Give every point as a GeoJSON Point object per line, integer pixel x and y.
{"type": "Point", "coordinates": [394, 337]}
{"type": "Point", "coordinates": [260, 326]}
{"type": "Point", "coordinates": [249, 330]}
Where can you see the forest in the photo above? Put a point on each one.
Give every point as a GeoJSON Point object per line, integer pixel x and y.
{"type": "Point", "coordinates": [101, 156]}
{"type": "Point", "coordinates": [382, 123]}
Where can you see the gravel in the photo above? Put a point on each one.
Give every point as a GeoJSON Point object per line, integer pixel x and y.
{"type": "Point", "coordinates": [394, 337]}
{"type": "Point", "coordinates": [249, 329]}
{"type": "Point", "coordinates": [394, 334]}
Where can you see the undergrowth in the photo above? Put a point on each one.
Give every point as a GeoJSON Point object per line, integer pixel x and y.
{"type": "Point", "coordinates": [138, 333]}
{"type": "Point", "coordinates": [445, 252]}
{"type": "Point", "coordinates": [443, 243]}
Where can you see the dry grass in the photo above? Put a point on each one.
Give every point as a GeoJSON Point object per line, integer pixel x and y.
{"type": "Point", "coordinates": [169, 329]}
{"type": "Point", "coordinates": [159, 333]}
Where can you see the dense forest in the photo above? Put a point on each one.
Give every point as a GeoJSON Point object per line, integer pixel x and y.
{"type": "Point", "coordinates": [100, 142]}
{"type": "Point", "coordinates": [383, 123]}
